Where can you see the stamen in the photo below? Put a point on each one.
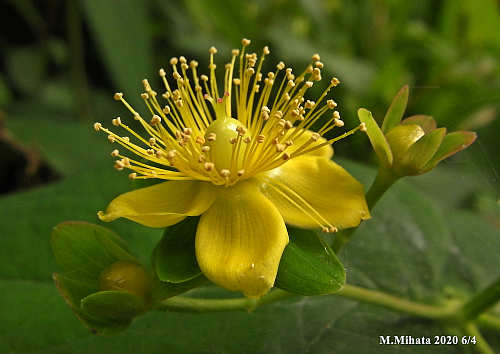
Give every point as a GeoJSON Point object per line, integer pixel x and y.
{"type": "Point", "coordinates": [271, 108]}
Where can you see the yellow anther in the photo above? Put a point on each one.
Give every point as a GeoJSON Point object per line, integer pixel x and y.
{"type": "Point", "coordinates": [212, 50]}
{"type": "Point", "coordinates": [201, 158]}
{"type": "Point", "coordinates": [245, 42]}
{"type": "Point", "coordinates": [315, 136]}
{"type": "Point", "coordinates": [174, 61]}
{"type": "Point", "coordinates": [225, 173]}
{"type": "Point", "coordinates": [152, 141]}
{"type": "Point", "coordinates": [171, 155]}
{"type": "Point", "coordinates": [118, 96]}
{"type": "Point", "coordinates": [200, 140]}
{"type": "Point", "coordinates": [117, 121]}
{"type": "Point", "coordinates": [162, 73]}
{"type": "Point", "coordinates": [363, 127]}
{"type": "Point", "coordinates": [133, 175]}
{"type": "Point", "coordinates": [111, 138]}
{"type": "Point", "coordinates": [211, 137]}
{"type": "Point", "coordinates": [118, 165]}
{"type": "Point", "coordinates": [155, 120]}
{"type": "Point", "coordinates": [315, 57]}
{"type": "Point", "coordinates": [338, 122]}
{"type": "Point", "coordinates": [115, 153]}
{"type": "Point", "coordinates": [208, 166]}
{"type": "Point", "coordinates": [241, 173]}
{"type": "Point", "coordinates": [335, 81]}
{"type": "Point", "coordinates": [97, 126]}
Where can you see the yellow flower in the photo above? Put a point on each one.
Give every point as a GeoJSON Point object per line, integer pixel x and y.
{"type": "Point", "coordinates": [246, 176]}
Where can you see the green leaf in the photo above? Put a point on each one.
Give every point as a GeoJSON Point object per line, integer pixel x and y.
{"type": "Point", "coordinates": [122, 32]}
{"type": "Point", "coordinates": [396, 110]}
{"type": "Point", "coordinates": [109, 313]}
{"type": "Point", "coordinates": [377, 138]}
{"type": "Point", "coordinates": [308, 265]}
{"type": "Point", "coordinates": [83, 250]}
{"type": "Point", "coordinates": [175, 257]}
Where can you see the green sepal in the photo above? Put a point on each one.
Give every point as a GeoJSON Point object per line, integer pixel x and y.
{"type": "Point", "coordinates": [419, 154]}
{"type": "Point", "coordinates": [427, 123]}
{"type": "Point", "coordinates": [396, 110]}
{"type": "Point", "coordinates": [163, 290]}
{"type": "Point", "coordinates": [101, 321]}
{"type": "Point", "coordinates": [174, 256]}
{"type": "Point", "coordinates": [377, 138]}
{"type": "Point", "coordinates": [309, 266]}
{"type": "Point", "coordinates": [83, 250]}
{"type": "Point", "coordinates": [109, 313]}
{"type": "Point", "coordinates": [451, 144]}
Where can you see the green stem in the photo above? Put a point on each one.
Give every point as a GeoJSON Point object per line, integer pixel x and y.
{"type": "Point", "coordinates": [481, 345]}
{"type": "Point", "coordinates": [395, 303]}
{"type": "Point", "coordinates": [185, 304]}
{"type": "Point", "coordinates": [481, 301]}
{"type": "Point", "coordinates": [381, 184]}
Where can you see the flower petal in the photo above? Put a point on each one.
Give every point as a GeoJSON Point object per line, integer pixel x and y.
{"type": "Point", "coordinates": [162, 204]}
{"type": "Point", "coordinates": [240, 240]}
{"type": "Point", "coordinates": [310, 185]}
{"type": "Point", "coordinates": [325, 151]}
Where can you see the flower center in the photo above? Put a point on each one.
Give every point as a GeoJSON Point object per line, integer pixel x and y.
{"type": "Point", "coordinates": [221, 135]}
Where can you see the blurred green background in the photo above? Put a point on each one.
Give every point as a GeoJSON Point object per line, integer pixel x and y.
{"type": "Point", "coordinates": [61, 61]}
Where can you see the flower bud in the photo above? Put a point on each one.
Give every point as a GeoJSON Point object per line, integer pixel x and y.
{"type": "Point", "coordinates": [126, 276]}
{"type": "Point", "coordinates": [414, 145]}
{"type": "Point", "coordinates": [401, 138]}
